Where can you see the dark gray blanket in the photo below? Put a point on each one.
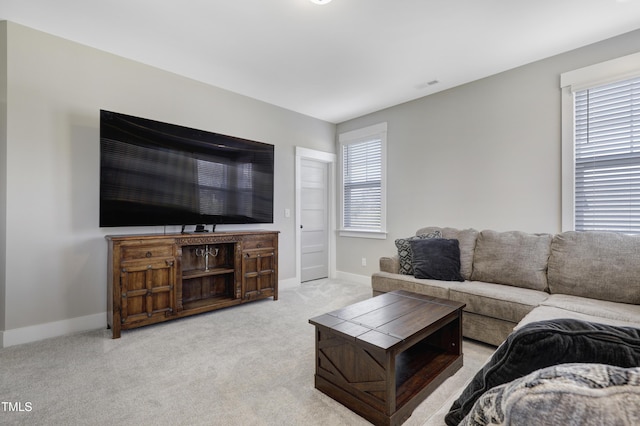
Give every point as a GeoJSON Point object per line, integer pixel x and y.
{"type": "Point", "coordinates": [544, 344]}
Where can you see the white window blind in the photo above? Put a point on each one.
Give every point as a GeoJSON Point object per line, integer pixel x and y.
{"type": "Point", "coordinates": [607, 157]}
{"type": "Point", "coordinates": [362, 185]}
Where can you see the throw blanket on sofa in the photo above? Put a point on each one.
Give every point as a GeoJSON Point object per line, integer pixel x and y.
{"type": "Point", "coordinates": [566, 394]}
{"type": "Point", "coordinates": [545, 344]}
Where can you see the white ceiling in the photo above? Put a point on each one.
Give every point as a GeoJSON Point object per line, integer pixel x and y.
{"type": "Point", "coordinates": [335, 61]}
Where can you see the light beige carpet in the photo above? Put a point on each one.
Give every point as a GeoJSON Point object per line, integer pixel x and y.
{"type": "Point", "coordinates": [247, 365]}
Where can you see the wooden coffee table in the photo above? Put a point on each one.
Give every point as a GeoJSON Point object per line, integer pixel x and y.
{"type": "Point", "coordinates": [383, 356]}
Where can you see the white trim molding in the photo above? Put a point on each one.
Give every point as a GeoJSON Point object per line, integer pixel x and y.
{"type": "Point", "coordinates": [602, 73]}
{"type": "Point", "coordinates": [570, 82]}
{"type": "Point", "coordinates": [378, 131]}
{"type": "Point", "coordinates": [330, 159]}
{"type": "Point", "coordinates": [360, 279]}
{"type": "Point", "coordinates": [33, 333]}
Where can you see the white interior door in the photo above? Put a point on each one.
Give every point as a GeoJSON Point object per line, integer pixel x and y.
{"type": "Point", "coordinates": [314, 220]}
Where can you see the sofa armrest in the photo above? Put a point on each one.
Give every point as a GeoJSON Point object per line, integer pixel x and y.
{"type": "Point", "coordinates": [390, 264]}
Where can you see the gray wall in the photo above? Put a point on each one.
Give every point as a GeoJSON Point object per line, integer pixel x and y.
{"type": "Point", "coordinates": [486, 155]}
{"type": "Point", "coordinates": [55, 266]}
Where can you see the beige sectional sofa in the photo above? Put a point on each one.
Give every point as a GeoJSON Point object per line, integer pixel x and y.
{"type": "Point", "coordinates": [514, 278]}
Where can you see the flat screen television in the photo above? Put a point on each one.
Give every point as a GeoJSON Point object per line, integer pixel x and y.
{"type": "Point", "coordinates": [154, 173]}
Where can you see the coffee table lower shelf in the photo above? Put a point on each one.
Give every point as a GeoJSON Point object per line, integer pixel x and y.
{"type": "Point", "coordinates": [402, 413]}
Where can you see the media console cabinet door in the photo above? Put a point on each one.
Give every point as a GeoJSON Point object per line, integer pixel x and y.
{"type": "Point", "coordinates": [147, 290]}
{"type": "Point", "coordinates": [260, 267]}
{"type": "Point", "coordinates": [258, 272]}
{"type": "Point", "coordinates": [141, 282]}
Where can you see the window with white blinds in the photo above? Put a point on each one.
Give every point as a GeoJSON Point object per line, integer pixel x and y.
{"type": "Point", "coordinates": [363, 181]}
{"type": "Point", "coordinates": [607, 157]}
{"type": "Point", "coordinates": [362, 185]}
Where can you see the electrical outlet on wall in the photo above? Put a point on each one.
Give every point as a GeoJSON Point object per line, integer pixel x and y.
{"type": "Point", "coordinates": [364, 261]}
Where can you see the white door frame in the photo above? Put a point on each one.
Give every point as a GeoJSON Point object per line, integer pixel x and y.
{"type": "Point", "coordinates": [330, 159]}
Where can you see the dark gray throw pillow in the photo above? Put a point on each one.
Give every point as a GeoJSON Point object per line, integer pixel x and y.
{"type": "Point", "coordinates": [436, 259]}
{"type": "Point", "coordinates": [405, 254]}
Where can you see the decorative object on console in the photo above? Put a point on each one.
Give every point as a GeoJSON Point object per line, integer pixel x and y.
{"type": "Point", "coordinates": [206, 252]}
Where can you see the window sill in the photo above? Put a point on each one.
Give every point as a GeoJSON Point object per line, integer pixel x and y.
{"type": "Point", "coordinates": [378, 235]}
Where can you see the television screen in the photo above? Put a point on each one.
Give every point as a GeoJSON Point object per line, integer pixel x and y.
{"type": "Point", "coordinates": [154, 173]}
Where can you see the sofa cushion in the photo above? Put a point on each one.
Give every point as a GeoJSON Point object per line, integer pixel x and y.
{"type": "Point", "coordinates": [390, 264]}
{"type": "Point", "coordinates": [512, 258]}
{"type": "Point", "coordinates": [405, 254]}
{"type": "Point", "coordinates": [544, 344]}
{"type": "Point", "coordinates": [493, 331]}
{"type": "Point", "coordinates": [466, 240]}
{"type": "Point", "coordinates": [496, 301]}
{"type": "Point", "coordinates": [384, 282]}
{"type": "Point", "coordinates": [597, 265]}
{"type": "Point", "coordinates": [595, 308]}
{"type": "Point", "coordinates": [567, 394]}
{"type": "Point", "coordinates": [436, 259]}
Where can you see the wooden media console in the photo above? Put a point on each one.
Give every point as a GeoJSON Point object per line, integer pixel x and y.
{"type": "Point", "coordinates": [155, 278]}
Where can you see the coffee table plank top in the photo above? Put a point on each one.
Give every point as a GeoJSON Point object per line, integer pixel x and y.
{"type": "Point", "coordinates": [391, 312]}
{"type": "Point", "coordinates": [388, 319]}
{"type": "Point", "coordinates": [412, 322]}
{"type": "Point", "coordinates": [365, 306]}
{"type": "Point", "coordinates": [351, 329]}
{"type": "Point", "coordinates": [379, 340]}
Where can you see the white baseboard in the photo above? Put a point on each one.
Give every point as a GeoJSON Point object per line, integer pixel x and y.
{"type": "Point", "coordinates": [288, 283]}
{"type": "Point", "coordinates": [33, 333]}
{"type": "Point", "coordinates": [360, 279]}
